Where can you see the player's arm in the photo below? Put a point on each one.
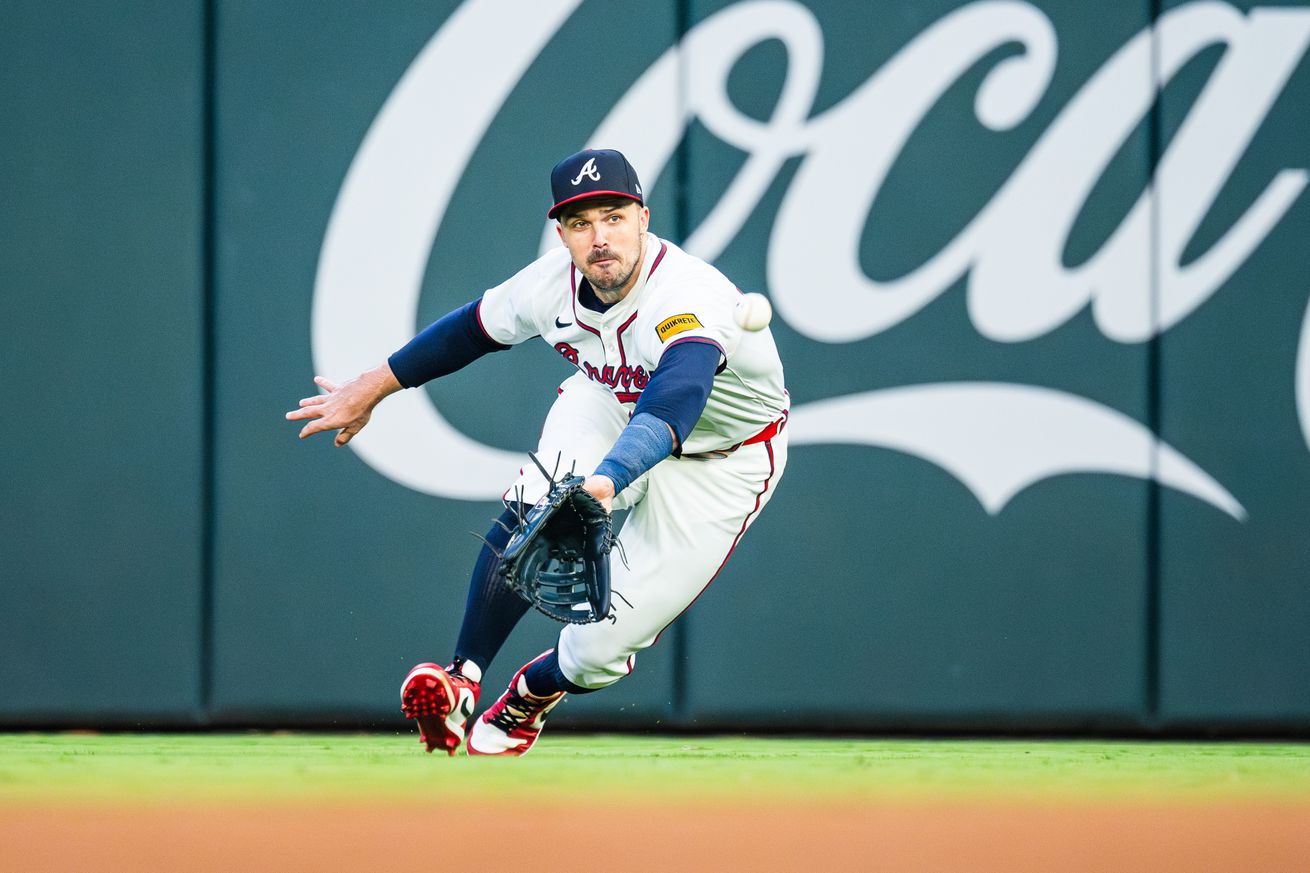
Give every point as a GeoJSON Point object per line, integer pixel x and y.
{"type": "Point", "coordinates": [449, 344]}
{"type": "Point", "coordinates": [668, 409]}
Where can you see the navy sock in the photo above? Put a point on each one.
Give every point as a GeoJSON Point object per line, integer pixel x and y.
{"type": "Point", "coordinates": [492, 610]}
{"type": "Point", "coordinates": [545, 678]}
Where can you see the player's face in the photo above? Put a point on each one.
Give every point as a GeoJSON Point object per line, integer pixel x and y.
{"type": "Point", "coordinates": [607, 243]}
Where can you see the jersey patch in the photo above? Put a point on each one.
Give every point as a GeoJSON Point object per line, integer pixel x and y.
{"type": "Point", "coordinates": [675, 325]}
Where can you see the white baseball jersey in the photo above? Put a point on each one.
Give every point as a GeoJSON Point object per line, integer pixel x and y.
{"type": "Point", "coordinates": [677, 297]}
{"type": "Point", "coordinates": [687, 514]}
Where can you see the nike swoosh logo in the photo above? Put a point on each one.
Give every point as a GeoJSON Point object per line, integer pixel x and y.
{"type": "Point", "coordinates": [559, 323]}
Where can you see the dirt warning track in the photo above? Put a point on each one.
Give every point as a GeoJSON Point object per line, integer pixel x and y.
{"type": "Point", "coordinates": [635, 838]}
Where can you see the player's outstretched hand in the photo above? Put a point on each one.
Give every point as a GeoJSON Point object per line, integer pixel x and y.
{"type": "Point", "coordinates": [347, 407]}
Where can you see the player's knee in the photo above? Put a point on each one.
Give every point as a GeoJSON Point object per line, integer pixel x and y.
{"type": "Point", "coordinates": [591, 666]}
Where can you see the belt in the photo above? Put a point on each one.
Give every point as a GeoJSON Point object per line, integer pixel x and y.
{"type": "Point", "coordinates": [772, 430]}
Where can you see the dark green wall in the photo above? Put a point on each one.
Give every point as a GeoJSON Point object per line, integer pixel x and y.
{"type": "Point", "coordinates": [158, 565]}
{"type": "Point", "coordinates": [1235, 604]}
{"type": "Point", "coordinates": [101, 317]}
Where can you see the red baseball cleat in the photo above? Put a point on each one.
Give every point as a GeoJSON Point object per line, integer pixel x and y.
{"type": "Point", "coordinates": [513, 722]}
{"type": "Point", "coordinates": [441, 701]}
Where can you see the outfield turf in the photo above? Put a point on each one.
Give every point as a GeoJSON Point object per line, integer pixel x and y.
{"type": "Point", "coordinates": [331, 768]}
{"type": "Point", "coordinates": [349, 803]}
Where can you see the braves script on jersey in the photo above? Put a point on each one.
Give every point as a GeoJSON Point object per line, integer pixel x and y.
{"type": "Point", "coordinates": [676, 299]}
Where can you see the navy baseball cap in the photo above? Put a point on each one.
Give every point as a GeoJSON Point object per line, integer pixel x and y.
{"type": "Point", "coordinates": [592, 173]}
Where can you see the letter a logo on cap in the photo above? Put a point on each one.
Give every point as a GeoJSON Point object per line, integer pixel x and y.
{"type": "Point", "coordinates": [599, 173]}
{"type": "Point", "coordinates": [588, 170]}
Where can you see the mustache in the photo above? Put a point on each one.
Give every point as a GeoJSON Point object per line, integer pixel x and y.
{"type": "Point", "coordinates": [601, 255]}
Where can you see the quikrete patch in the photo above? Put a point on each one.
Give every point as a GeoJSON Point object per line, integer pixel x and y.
{"type": "Point", "coordinates": [676, 324]}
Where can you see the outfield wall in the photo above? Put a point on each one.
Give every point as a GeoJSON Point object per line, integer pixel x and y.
{"type": "Point", "coordinates": [1045, 336]}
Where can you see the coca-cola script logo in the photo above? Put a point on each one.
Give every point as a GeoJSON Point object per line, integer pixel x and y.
{"type": "Point", "coordinates": [395, 195]}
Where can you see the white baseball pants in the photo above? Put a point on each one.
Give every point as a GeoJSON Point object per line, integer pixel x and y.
{"type": "Point", "coordinates": [687, 515]}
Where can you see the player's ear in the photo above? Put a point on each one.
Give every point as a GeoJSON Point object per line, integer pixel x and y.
{"type": "Point", "coordinates": [559, 229]}
{"type": "Point", "coordinates": [645, 218]}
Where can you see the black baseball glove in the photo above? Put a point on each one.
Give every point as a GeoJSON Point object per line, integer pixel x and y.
{"type": "Point", "coordinates": [557, 557]}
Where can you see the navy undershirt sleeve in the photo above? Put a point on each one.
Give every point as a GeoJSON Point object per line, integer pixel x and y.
{"type": "Point", "coordinates": [674, 398]}
{"type": "Point", "coordinates": [643, 443]}
{"type": "Point", "coordinates": [451, 343]}
{"type": "Point", "coordinates": [680, 386]}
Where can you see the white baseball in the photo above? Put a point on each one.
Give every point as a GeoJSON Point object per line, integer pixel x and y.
{"type": "Point", "coordinates": [753, 312]}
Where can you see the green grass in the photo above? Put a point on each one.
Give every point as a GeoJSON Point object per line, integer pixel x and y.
{"type": "Point", "coordinates": [336, 768]}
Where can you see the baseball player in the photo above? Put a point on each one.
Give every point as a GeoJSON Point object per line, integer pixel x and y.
{"type": "Point", "coordinates": [674, 412]}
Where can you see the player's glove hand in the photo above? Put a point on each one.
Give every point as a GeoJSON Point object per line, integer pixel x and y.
{"type": "Point", "coordinates": [557, 557]}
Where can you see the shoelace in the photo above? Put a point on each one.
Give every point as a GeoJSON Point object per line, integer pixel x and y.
{"type": "Point", "coordinates": [516, 710]}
